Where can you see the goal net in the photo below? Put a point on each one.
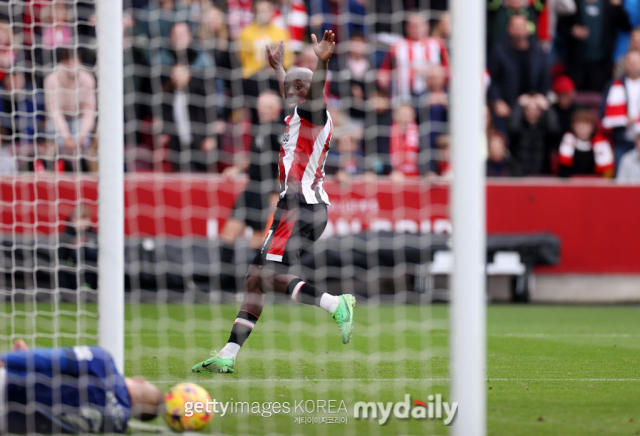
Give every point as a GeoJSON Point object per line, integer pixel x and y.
{"type": "Point", "coordinates": [203, 126]}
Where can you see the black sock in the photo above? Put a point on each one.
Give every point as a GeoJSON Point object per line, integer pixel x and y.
{"type": "Point", "coordinates": [227, 267]}
{"type": "Point", "coordinates": [242, 327]}
{"type": "Point", "coordinates": [303, 292]}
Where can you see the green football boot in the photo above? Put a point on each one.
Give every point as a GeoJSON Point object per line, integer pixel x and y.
{"type": "Point", "coordinates": [215, 364]}
{"type": "Point", "coordinates": [343, 316]}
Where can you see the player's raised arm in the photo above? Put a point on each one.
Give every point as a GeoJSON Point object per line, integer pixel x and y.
{"type": "Point", "coordinates": [276, 60]}
{"type": "Point", "coordinates": [323, 49]}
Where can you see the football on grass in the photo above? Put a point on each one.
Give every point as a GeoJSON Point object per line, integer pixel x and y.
{"type": "Point", "coordinates": [186, 407]}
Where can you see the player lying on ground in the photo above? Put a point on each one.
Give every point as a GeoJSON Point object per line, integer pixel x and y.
{"type": "Point", "coordinates": [301, 215]}
{"type": "Point", "coordinates": [70, 390]}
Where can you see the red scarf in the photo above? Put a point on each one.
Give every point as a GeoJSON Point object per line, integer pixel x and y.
{"type": "Point", "coordinates": [602, 152]}
{"type": "Point", "coordinates": [615, 110]}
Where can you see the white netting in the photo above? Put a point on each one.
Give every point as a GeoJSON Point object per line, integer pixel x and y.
{"type": "Point", "coordinates": [203, 128]}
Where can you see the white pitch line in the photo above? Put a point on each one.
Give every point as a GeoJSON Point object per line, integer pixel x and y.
{"type": "Point", "coordinates": [391, 380]}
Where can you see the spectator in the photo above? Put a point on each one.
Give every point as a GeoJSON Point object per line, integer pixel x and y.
{"type": "Point", "coordinates": [589, 35]}
{"type": "Point", "coordinates": [214, 35]}
{"type": "Point", "coordinates": [58, 32]}
{"type": "Point", "coordinates": [378, 119]}
{"type": "Point", "coordinates": [443, 144]}
{"type": "Point", "coordinates": [530, 127]}
{"type": "Point", "coordinates": [254, 37]}
{"type": "Point", "coordinates": [345, 160]}
{"type": "Point", "coordinates": [182, 50]}
{"type": "Point", "coordinates": [70, 99]}
{"type": "Point", "coordinates": [500, 13]}
{"type": "Point", "coordinates": [585, 151]}
{"type": "Point", "coordinates": [622, 107]}
{"type": "Point", "coordinates": [634, 45]}
{"type": "Point", "coordinates": [78, 251]}
{"type": "Point", "coordinates": [9, 56]}
{"type": "Point", "coordinates": [405, 143]}
{"type": "Point", "coordinates": [8, 164]}
{"type": "Point", "coordinates": [155, 22]}
{"type": "Point", "coordinates": [565, 104]}
{"type": "Point", "coordinates": [623, 39]}
{"type": "Point", "coordinates": [240, 15]}
{"type": "Point", "coordinates": [22, 109]}
{"type": "Point", "coordinates": [407, 64]}
{"type": "Point", "coordinates": [292, 15]}
{"type": "Point", "coordinates": [629, 169]}
{"type": "Point", "coordinates": [328, 15]}
{"type": "Point", "coordinates": [518, 66]}
{"type": "Point", "coordinates": [442, 27]}
{"type": "Point", "coordinates": [353, 79]}
{"type": "Point", "coordinates": [498, 163]}
{"type": "Point", "coordinates": [253, 206]}
{"type": "Point", "coordinates": [188, 122]}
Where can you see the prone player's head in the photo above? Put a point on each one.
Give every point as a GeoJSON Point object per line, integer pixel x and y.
{"type": "Point", "coordinates": [297, 83]}
{"type": "Point", "coordinates": [145, 397]}
{"type": "Point", "coordinates": [269, 107]}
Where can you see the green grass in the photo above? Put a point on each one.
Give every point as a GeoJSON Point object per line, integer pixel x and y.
{"type": "Point", "coordinates": [551, 370]}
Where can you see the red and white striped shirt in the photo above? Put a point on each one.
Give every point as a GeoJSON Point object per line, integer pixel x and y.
{"type": "Point", "coordinates": [294, 18]}
{"type": "Point", "coordinates": [407, 57]}
{"type": "Point", "coordinates": [305, 145]}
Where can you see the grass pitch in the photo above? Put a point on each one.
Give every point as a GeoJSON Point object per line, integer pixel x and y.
{"type": "Point", "coordinates": [551, 370]}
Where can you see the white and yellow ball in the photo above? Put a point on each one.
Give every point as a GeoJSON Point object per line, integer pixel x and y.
{"type": "Point", "coordinates": [175, 402]}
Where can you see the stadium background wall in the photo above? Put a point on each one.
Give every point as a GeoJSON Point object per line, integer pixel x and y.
{"type": "Point", "coordinates": [596, 222]}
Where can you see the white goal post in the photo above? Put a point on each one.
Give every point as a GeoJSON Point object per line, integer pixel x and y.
{"type": "Point", "coordinates": [468, 312]}
{"type": "Point", "coordinates": [111, 179]}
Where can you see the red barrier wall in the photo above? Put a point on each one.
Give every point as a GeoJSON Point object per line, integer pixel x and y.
{"type": "Point", "coordinates": [598, 222]}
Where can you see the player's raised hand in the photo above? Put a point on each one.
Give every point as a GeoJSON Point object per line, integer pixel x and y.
{"type": "Point", "coordinates": [276, 57]}
{"type": "Point", "coordinates": [324, 49]}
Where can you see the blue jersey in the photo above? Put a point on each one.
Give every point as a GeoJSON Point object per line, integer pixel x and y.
{"type": "Point", "coordinates": [65, 390]}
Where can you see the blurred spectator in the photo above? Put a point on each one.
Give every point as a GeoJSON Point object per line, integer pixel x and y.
{"type": "Point", "coordinates": [154, 23]}
{"type": "Point", "coordinates": [354, 77]}
{"type": "Point", "coordinates": [585, 151]}
{"type": "Point", "coordinates": [329, 15]}
{"type": "Point", "coordinates": [254, 38]}
{"type": "Point", "coordinates": [443, 145]}
{"type": "Point", "coordinates": [442, 27]}
{"type": "Point", "coordinates": [9, 55]}
{"type": "Point", "coordinates": [634, 45]}
{"type": "Point", "coordinates": [214, 35]}
{"type": "Point", "coordinates": [253, 206]}
{"type": "Point", "coordinates": [70, 98]}
{"type": "Point", "coordinates": [589, 35]}
{"type": "Point", "coordinates": [498, 163]}
{"type": "Point", "coordinates": [438, 114]}
{"type": "Point", "coordinates": [377, 128]}
{"type": "Point", "coordinates": [629, 169]}
{"type": "Point", "coordinates": [239, 16]}
{"type": "Point", "coordinates": [8, 164]}
{"type": "Point", "coordinates": [623, 38]}
{"type": "Point", "coordinates": [565, 104]}
{"type": "Point", "coordinates": [408, 62]}
{"type": "Point", "coordinates": [292, 15]}
{"type": "Point", "coordinates": [345, 158]}
{"type": "Point", "coordinates": [58, 31]}
{"type": "Point", "coordinates": [78, 251]}
{"type": "Point", "coordinates": [307, 58]}
{"type": "Point", "coordinates": [530, 128]}
{"type": "Point", "coordinates": [405, 143]}
{"type": "Point", "coordinates": [500, 13]}
{"type": "Point", "coordinates": [188, 122]}
{"type": "Point", "coordinates": [182, 50]}
{"type": "Point", "coordinates": [622, 107]}
{"type": "Point", "coordinates": [518, 66]}
{"type": "Point", "coordinates": [22, 109]}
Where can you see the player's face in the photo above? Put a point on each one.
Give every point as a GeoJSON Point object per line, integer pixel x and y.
{"type": "Point", "coordinates": [295, 90]}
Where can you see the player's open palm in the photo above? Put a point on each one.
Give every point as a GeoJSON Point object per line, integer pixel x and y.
{"type": "Point", "coordinates": [324, 49]}
{"type": "Point", "coordinates": [276, 57]}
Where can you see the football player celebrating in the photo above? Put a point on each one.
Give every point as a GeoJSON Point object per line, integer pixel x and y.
{"type": "Point", "coordinates": [301, 214]}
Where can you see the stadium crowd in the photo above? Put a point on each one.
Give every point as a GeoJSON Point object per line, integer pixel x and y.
{"type": "Point", "coordinates": [562, 83]}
